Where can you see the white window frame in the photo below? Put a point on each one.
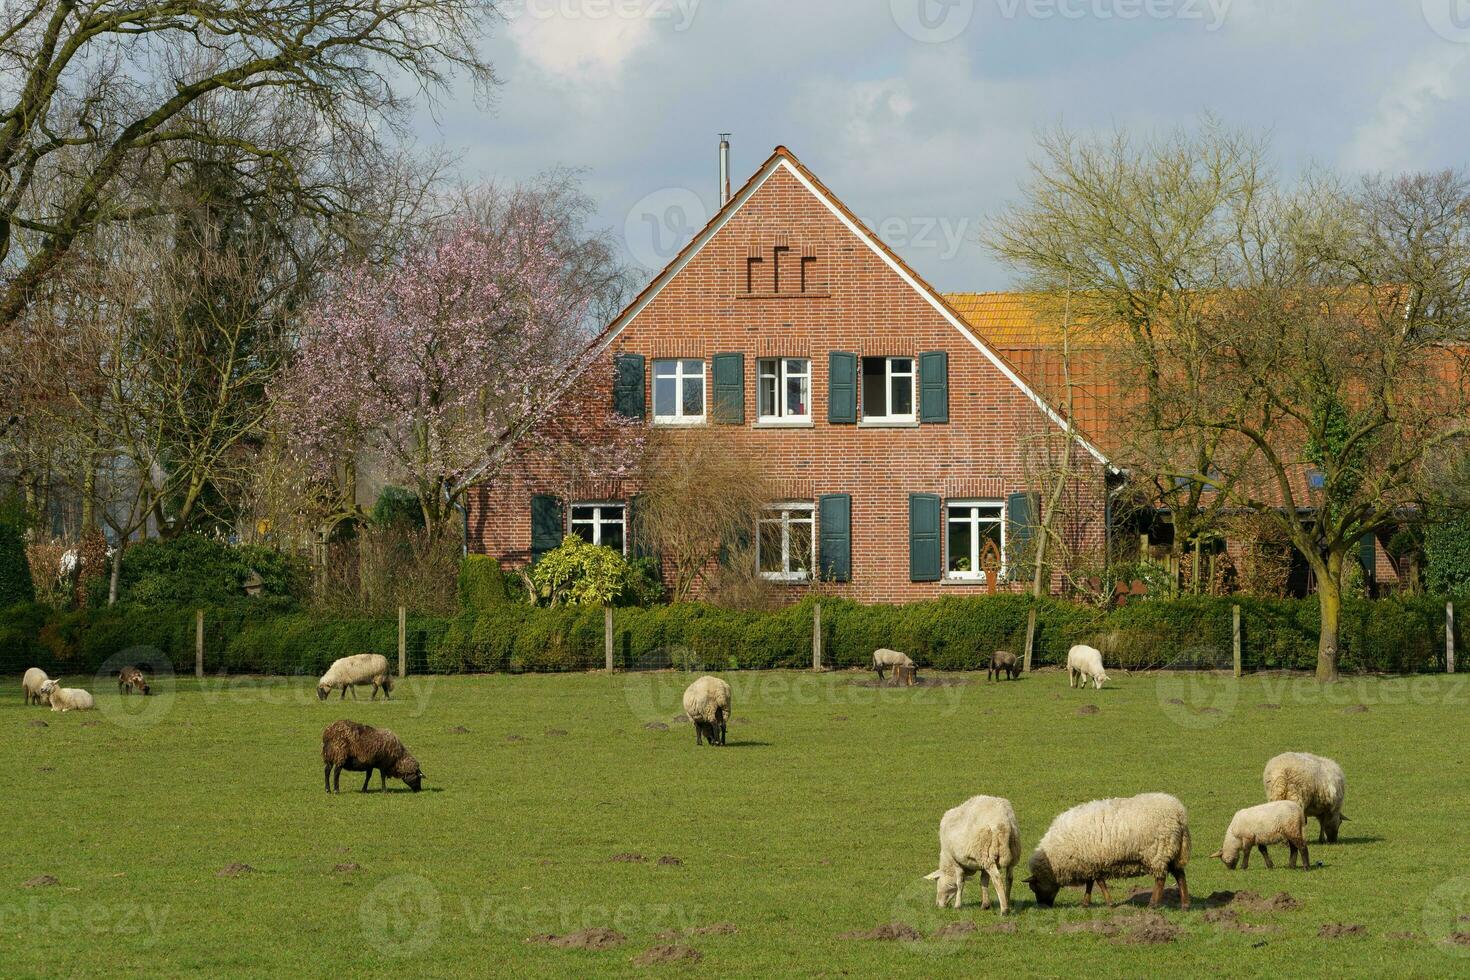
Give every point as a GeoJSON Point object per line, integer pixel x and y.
{"type": "Point", "coordinates": [887, 418]}
{"type": "Point", "coordinates": [781, 375]}
{"type": "Point", "coordinates": [977, 520]}
{"type": "Point", "coordinates": [597, 520]}
{"type": "Point", "coordinates": [786, 509]}
{"type": "Point", "coordinates": [680, 375]}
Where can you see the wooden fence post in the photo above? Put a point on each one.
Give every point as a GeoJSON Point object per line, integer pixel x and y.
{"type": "Point", "coordinates": [1030, 640]}
{"type": "Point", "coordinates": [1449, 637]}
{"type": "Point", "coordinates": [1235, 635]}
{"type": "Point", "coordinates": [816, 636]}
{"type": "Point", "coordinates": [402, 642]}
{"type": "Point", "coordinates": [199, 643]}
{"type": "Point", "coordinates": [607, 638]}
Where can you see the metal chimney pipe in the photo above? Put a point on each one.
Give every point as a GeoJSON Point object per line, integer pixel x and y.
{"type": "Point", "coordinates": [724, 168]}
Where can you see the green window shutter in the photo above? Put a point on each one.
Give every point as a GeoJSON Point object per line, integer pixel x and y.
{"type": "Point", "coordinates": [924, 560]}
{"type": "Point", "coordinates": [841, 387]}
{"type": "Point", "coordinates": [834, 544]}
{"type": "Point", "coordinates": [1023, 510]}
{"type": "Point", "coordinates": [547, 528]}
{"type": "Point", "coordinates": [628, 385]}
{"type": "Point", "coordinates": [729, 378]}
{"type": "Point", "coordinates": [934, 386]}
{"type": "Point", "coordinates": [1367, 553]}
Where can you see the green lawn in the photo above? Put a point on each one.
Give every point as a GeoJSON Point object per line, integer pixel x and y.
{"type": "Point", "coordinates": [818, 819]}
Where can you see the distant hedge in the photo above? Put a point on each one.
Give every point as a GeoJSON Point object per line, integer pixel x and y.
{"type": "Point", "coordinates": [266, 635]}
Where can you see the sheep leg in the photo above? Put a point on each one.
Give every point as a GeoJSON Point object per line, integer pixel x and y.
{"type": "Point", "coordinates": [327, 775]}
{"type": "Point", "coordinates": [1107, 895]}
{"type": "Point", "coordinates": [383, 780]}
{"type": "Point", "coordinates": [1158, 894]}
{"type": "Point", "coordinates": [1265, 856]}
{"type": "Point", "coordinates": [1008, 887]}
{"type": "Point", "coordinates": [1245, 857]}
{"type": "Point", "coordinates": [367, 779]}
{"type": "Point", "coordinates": [1087, 895]}
{"type": "Point", "coordinates": [1002, 896]}
{"type": "Point", "coordinates": [375, 692]}
{"type": "Point", "coordinates": [337, 779]}
{"type": "Point", "coordinates": [1306, 861]}
{"type": "Point", "coordinates": [1183, 889]}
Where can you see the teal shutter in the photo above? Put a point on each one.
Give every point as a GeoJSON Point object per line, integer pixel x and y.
{"type": "Point", "coordinates": [1022, 512]}
{"type": "Point", "coordinates": [729, 376]}
{"type": "Point", "coordinates": [924, 561]}
{"type": "Point", "coordinates": [628, 385]}
{"type": "Point", "coordinates": [547, 528]}
{"type": "Point", "coordinates": [834, 544]}
{"type": "Point", "coordinates": [934, 386]}
{"type": "Point", "coordinates": [1368, 554]}
{"type": "Point", "coordinates": [841, 387]}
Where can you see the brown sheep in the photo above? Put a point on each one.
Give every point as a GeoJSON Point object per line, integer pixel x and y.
{"type": "Point", "coordinates": [1003, 662]}
{"type": "Point", "coordinates": [131, 679]}
{"type": "Point", "coordinates": [363, 748]}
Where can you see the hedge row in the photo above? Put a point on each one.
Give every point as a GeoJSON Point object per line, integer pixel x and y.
{"type": "Point", "coordinates": [272, 636]}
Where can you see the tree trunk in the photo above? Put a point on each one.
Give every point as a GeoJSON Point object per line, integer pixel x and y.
{"type": "Point", "coordinates": [112, 582]}
{"type": "Point", "coordinates": [1038, 576]}
{"type": "Point", "coordinates": [89, 493]}
{"type": "Point", "coordinates": [1329, 597]}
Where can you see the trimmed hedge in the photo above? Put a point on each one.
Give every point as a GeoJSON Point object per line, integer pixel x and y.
{"type": "Point", "coordinates": [193, 568]}
{"type": "Point", "coordinates": [952, 633]}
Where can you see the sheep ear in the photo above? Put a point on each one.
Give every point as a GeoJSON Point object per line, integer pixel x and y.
{"type": "Point", "coordinates": [932, 876]}
{"type": "Point", "coordinates": [1218, 854]}
{"type": "Point", "coordinates": [1343, 818]}
{"type": "Point", "coordinates": [1028, 880]}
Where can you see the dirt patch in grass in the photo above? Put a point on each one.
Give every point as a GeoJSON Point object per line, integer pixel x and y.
{"type": "Point", "coordinates": [888, 932]}
{"type": "Point", "coordinates": [1269, 707]}
{"type": "Point", "coordinates": [347, 868]}
{"type": "Point", "coordinates": [459, 730]}
{"type": "Point", "coordinates": [629, 857]}
{"type": "Point", "coordinates": [234, 870]}
{"type": "Point", "coordinates": [1410, 936]}
{"type": "Point", "coordinates": [655, 726]}
{"type": "Point", "coordinates": [674, 953]}
{"type": "Point", "coordinates": [1101, 927]}
{"type": "Point", "coordinates": [46, 769]}
{"type": "Point", "coordinates": [681, 719]}
{"type": "Point", "coordinates": [595, 938]}
{"type": "Point", "coordinates": [1249, 901]}
{"type": "Point", "coordinates": [1151, 930]}
{"type": "Point", "coordinates": [554, 732]}
{"type": "Point", "coordinates": [1140, 898]}
{"type": "Point", "coordinates": [955, 930]}
{"type": "Point", "coordinates": [742, 720]}
{"type": "Point", "coordinates": [839, 717]}
{"type": "Point", "coordinates": [1458, 939]}
{"type": "Point", "coordinates": [1006, 927]}
{"type": "Point", "coordinates": [40, 881]}
{"type": "Point", "coordinates": [1355, 709]}
{"type": "Point", "coordinates": [669, 861]}
{"type": "Point", "coordinates": [515, 738]}
{"type": "Point", "coordinates": [1174, 701]}
{"type": "Point", "coordinates": [1089, 709]}
{"type": "Point", "coordinates": [37, 723]}
{"type": "Point", "coordinates": [1208, 711]}
{"type": "Point", "coordinates": [1340, 930]}
{"type": "Point", "coordinates": [91, 724]}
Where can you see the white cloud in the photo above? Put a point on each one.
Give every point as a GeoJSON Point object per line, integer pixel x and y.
{"type": "Point", "coordinates": [580, 43]}
{"type": "Point", "coordinates": [1407, 112]}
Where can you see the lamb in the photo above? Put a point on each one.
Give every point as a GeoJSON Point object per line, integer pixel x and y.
{"type": "Point", "coordinates": [30, 684]}
{"type": "Point", "coordinates": [131, 679]}
{"type": "Point", "coordinates": [980, 835]}
{"type": "Point", "coordinates": [1269, 823]}
{"type": "Point", "coordinates": [362, 748]}
{"type": "Point", "coordinates": [349, 672]}
{"type": "Point", "coordinates": [883, 658]}
{"type": "Point", "coordinates": [707, 703]}
{"type": "Point", "coordinates": [66, 698]}
{"type": "Point", "coordinates": [1115, 838]}
{"type": "Point", "coordinates": [1084, 663]}
{"type": "Point", "coordinates": [1003, 662]}
{"type": "Point", "coordinates": [1312, 781]}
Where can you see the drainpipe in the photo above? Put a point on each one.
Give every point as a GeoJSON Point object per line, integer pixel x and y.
{"type": "Point", "coordinates": [464, 516]}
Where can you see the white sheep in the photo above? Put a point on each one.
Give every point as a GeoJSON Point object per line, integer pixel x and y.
{"type": "Point", "coordinates": [978, 836]}
{"type": "Point", "coordinates": [707, 703]}
{"type": "Point", "coordinates": [1279, 822]}
{"type": "Point", "coordinates": [1312, 781]}
{"type": "Point", "coordinates": [66, 698]}
{"type": "Point", "coordinates": [883, 658]}
{"type": "Point", "coordinates": [360, 668]}
{"type": "Point", "coordinates": [1116, 838]}
{"type": "Point", "coordinates": [30, 684]}
{"type": "Point", "coordinates": [1085, 663]}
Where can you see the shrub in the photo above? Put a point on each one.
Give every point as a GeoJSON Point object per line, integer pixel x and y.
{"type": "Point", "coordinates": [193, 568]}
{"type": "Point", "coordinates": [481, 584]}
{"type": "Point", "coordinates": [15, 571]}
{"type": "Point", "coordinates": [580, 574]}
{"type": "Point", "coordinates": [397, 506]}
{"type": "Point", "coordinates": [1447, 554]}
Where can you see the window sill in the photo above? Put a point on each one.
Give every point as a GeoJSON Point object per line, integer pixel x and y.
{"type": "Point", "coordinates": [783, 424]}
{"type": "Point", "coordinates": [777, 579]}
{"type": "Point", "coordinates": [678, 423]}
{"type": "Point", "coordinates": [888, 424]}
{"type": "Point", "coordinates": [810, 294]}
{"type": "Point", "coordinates": [981, 582]}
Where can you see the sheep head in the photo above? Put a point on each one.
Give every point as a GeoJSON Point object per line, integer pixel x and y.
{"type": "Point", "coordinates": [944, 889]}
{"type": "Point", "coordinates": [1043, 880]}
{"type": "Point", "coordinates": [407, 769]}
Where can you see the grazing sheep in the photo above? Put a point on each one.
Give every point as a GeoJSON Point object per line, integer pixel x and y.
{"type": "Point", "coordinates": [131, 679]}
{"type": "Point", "coordinates": [1315, 783]}
{"type": "Point", "coordinates": [883, 658]}
{"type": "Point", "coordinates": [1003, 662]}
{"type": "Point", "coordinates": [1269, 823]}
{"type": "Point", "coordinates": [362, 748]}
{"type": "Point", "coordinates": [707, 703]}
{"type": "Point", "coordinates": [1116, 838]}
{"type": "Point", "coordinates": [1085, 663]}
{"type": "Point", "coordinates": [66, 698]}
{"type": "Point", "coordinates": [349, 672]}
{"type": "Point", "coordinates": [30, 685]}
{"type": "Point", "coordinates": [978, 836]}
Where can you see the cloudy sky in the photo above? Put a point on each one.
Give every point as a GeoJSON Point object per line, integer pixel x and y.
{"type": "Point", "coordinates": [921, 114]}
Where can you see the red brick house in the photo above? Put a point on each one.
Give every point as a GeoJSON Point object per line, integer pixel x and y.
{"type": "Point", "coordinates": [896, 435]}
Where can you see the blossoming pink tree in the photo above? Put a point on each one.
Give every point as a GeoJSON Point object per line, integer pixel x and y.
{"type": "Point", "coordinates": [440, 367]}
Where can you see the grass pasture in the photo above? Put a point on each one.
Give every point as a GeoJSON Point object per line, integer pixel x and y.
{"type": "Point", "coordinates": [819, 819]}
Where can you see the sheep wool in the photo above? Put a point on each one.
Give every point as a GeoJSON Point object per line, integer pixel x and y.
{"type": "Point", "coordinates": [707, 703]}
{"type": "Point", "coordinates": [1279, 822]}
{"type": "Point", "coordinates": [1085, 663]}
{"type": "Point", "coordinates": [883, 659]}
{"type": "Point", "coordinates": [1115, 838]}
{"type": "Point", "coordinates": [978, 836]}
{"type": "Point", "coordinates": [66, 698]}
{"type": "Point", "coordinates": [363, 748]}
{"type": "Point", "coordinates": [358, 669]}
{"type": "Point", "coordinates": [1314, 782]}
{"type": "Point", "coordinates": [30, 685]}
